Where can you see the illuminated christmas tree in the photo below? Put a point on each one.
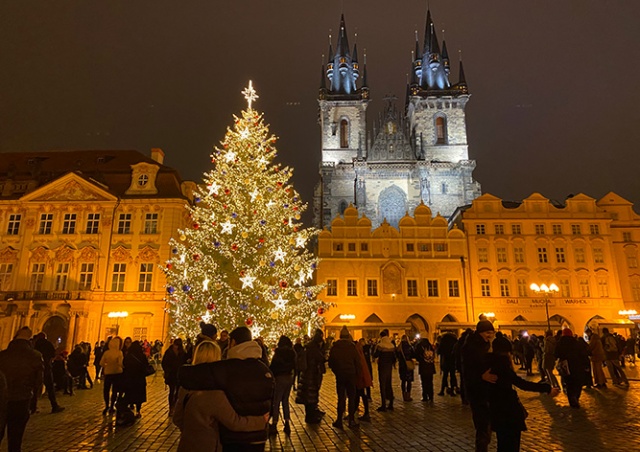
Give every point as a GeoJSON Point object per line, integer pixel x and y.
{"type": "Point", "coordinates": [244, 259]}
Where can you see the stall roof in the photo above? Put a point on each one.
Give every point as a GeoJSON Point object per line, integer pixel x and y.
{"type": "Point", "coordinates": [455, 325]}
{"type": "Point", "coordinates": [527, 324]}
{"type": "Point", "coordinates": [614, 323]}
{"type": "Point", "coordinates": [369, 326]}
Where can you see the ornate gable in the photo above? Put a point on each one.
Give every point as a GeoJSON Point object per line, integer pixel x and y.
{"type": "Point", "coordinates": [69, 187]}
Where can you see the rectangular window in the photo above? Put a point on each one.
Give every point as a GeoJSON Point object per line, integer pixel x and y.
{"type": "Point", "coordinates": [584, 288]}
{"type": "Point", "coordinates": [440, 247]}
{"type": "Point", "coordinates": [516, 229]}
{"type": "Point", "coordinates": [432, 288]}
{"type": "Point", "coordinates": [499, 229]}
{"type": "Point", "coordinates": [542, 255]}
{"type": "Point", "coordinates": [119, 273]}
{"type": "Point", "coordinates": [37, 277]}
{"type": "Point", "coordinates": [86, 276]}
{"type": "Point", "coordinates": [124, 223]}
{"type": "Point", "coordinates": [523, 289]}
{"type": "Point", "coordinates": [5, 276]}
{"type": "Point", "coordinates": [480, 229]}
{"type": "Point", "coordinates": [364, 247]}
{"type": "Point", "coordinates": [485, 288]}
{"type": "Point", "coordinates": [140, 333]}
{"type": "Point", "coordinates": [454, 288]}
{"type": "Point", "coordinates": [351, 247]}
{"type": "Point", "coordinates": [483, 255]}
{"type": "Point", "coordinates": [151, 223]}
{"type": "Point", "coordinates": [424, 247]}
{"type": "Point", "coordinates": [13, 227]}
{"type": "Point", "coordinates": [332, 287]}
{"type": "Point", "coordinates": [556, 229]}
{"type": "Point", "coordinates": [565, 288]}
{"type": "Point", "coordinates": [576, 229]}
{"type": "Point", "coordinates": [69, 223]}
{"type": "Point", "coordinates": [410, 248]}
{"type": "Point", "coordinates": [632, 261]}
{"type": "Point", "coordinates": [626, 236]}
{"type": "Point", "coordinates": [504, 287]}
{"type": "Point", "coordinates": [338, 246]}
{"type": "Point", "coordinates": [560, 256]}
{"type": "Point", "coordinates": [146, 275]}
{"type": "Point", "coordinates": [579, 252]}
{"type": "Point", "coordinates": [518, 255]}
{"type": "Point", "coordinates": [603, 288]}
{"type": "Point", "coordinates": [594, 229]}
{"type": "Point", "coordinates": [412, 287]}
{"type": "Point", "coordinates": [352, 288]}
{"type": "Point", "coordinates": [93, 223]}
{"type": "Point", "coordinates": [46, 222]}
{"type": "Point", "coordinates": [539, 229]}
{"type": "Point", "coordinates": [501, 254]}
{"type": "Point", "coordinates": [372, 287]}
{"type": "Point", "coordinates": [635, 290]}
{"type": "Point", "coordinates": [61, 277]}
{"type": "Point", "coordinates": [598, 256]}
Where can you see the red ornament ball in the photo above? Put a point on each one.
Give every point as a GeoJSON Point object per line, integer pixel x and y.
{"type": "Point", "coordinates": [234, 247]}
{"type": "Point", "coordinates": [227, 191]}
{"type": "Point", "coordinates": [211, 306]}
{"type": "Point", "coordinates": [196, 257]}
{"type": "Point", "coordinates": [261, 240]}
{"type": "Point", "coordinates": [285, 221]}
{"type": "Point", "coordinates": [299, 324]}
{"type": "Point", "coordinates": [295, 229]}
{"type": "Point", "coordinates": [320, 311]}
{"type": "Point", "coordinates": [196, 225]}
{"type": "Point", "coordinates": [169, 266]}
{"type": "Point", "coordinates": [283, 284]}
{"type": "Point", "coordinates": [249, 321]}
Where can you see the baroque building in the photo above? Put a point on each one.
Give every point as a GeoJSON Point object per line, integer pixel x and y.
{"type": "Point", "coordinates": [418, 155]}
{"type": "Point", "coordinates": [429, 275]}
{"type": "Point", "coordinates": [82, 234]}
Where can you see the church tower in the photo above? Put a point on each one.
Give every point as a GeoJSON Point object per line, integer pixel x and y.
{"type": "Point", "coordinates": [342, 100]}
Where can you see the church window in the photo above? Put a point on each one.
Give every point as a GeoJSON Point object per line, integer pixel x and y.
{"type": "Point", "coordinates": [344, 134]}
{"type": "Point", "coordinates": [392, 205]}
{"type": "Point", "coordinates": [342, 207]}
{"type": "Point", "coordinates": [444, 188]}
{"type": "Point", "coordinates": [440, 130]}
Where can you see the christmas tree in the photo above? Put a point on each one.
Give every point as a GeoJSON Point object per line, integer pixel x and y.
{"type": "Point", "coordinates": [244, 258]}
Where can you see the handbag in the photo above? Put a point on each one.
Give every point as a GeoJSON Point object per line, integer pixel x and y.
{"type": "Point", "coordinates": [149, 369]}
{"type": "Point", "coordinates": [408, 362]}
{"type": "Point", "coordinates": [563, 368]}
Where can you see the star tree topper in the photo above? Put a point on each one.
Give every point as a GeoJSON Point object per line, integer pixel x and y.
{"type": "Point", "coordinates": [250, 94]}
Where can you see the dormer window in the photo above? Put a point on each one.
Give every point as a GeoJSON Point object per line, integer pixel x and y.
{"type": "Point", "coordinates": [143, 180]}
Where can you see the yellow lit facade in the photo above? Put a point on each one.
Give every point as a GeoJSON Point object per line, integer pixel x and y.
{"type": "Point", "coordinates": [82, 235]}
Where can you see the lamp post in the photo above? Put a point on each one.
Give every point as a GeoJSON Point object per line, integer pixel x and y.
{"type": "Point", "coordinates": [546, 292]}
{"type": "Point", "coordinates": [118, 315]}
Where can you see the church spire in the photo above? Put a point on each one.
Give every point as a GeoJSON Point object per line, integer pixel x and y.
{"type": "Point", "coordinates": [343, 69]}
{"type": "Point", "coordinates": [432, 70]}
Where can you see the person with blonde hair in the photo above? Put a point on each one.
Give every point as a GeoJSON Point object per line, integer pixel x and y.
{"type": "Point", "coordinates": [198, 413]}
{"type": "Point", "coordinates": [111, 363]}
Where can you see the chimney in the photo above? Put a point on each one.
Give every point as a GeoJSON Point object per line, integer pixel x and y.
{"type": "Point", "coordinates": [157, 154]}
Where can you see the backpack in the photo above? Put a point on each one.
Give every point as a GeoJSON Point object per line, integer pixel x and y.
{"type": "Point", "coordinates": [610, 344]}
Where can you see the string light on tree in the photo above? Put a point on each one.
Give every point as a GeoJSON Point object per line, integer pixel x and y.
{"type": "Point", "coordinates": [252, 268]}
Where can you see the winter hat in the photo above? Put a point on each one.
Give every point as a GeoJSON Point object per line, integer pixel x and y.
{"type": "Point", "coordinates": [208, 329]}
{"type": "Point", "coordinates": [502, 345]}
{"type": "Point", "coordinates": [567, 332]}
{"type": "Point", "coordinates": [344, 333]}
{"type": "Point", "coordinates": [484, 325]}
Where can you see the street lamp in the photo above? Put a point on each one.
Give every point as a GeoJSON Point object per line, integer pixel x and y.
{"type": "Point", "coordinates": [118, 315]}
{"type": "Point", "coordinates": [546, 292]}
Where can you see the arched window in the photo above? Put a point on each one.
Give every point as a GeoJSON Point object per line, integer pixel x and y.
{"type": "Point", "coordinates": [342, 207]}
{"type": "Point", "coordinates": [441, 130]}
{"type": "Point", "coordinates": [344, 133]}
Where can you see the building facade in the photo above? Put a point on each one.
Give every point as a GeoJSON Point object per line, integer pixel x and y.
{"type": "Point", "coordinates": [416, 156]}
{"type": "Point", "coordinates": [82, 236]}
{"type": "Point", "coordinates": [428, 276]}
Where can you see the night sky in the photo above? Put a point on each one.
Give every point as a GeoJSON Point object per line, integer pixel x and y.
{"type": "Point", "coordinates": [555, 103]}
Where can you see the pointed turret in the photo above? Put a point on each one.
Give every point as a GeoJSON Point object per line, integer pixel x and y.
{"type": "Point", "coordinates": [432, 68]}
{"type": "Point", "coordinates": [343, 69]}
{"type": "Point", "coordinates": [342, 49]}
{"type": "Point", "coordinates": [462, 80]}
{"type": "Point", "coordinates": [445, 57]}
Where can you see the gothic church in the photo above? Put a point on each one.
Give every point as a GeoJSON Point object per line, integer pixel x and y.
{"type": "Point", "coordinates": [418, 155]}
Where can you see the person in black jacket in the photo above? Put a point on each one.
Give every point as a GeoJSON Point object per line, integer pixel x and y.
{"type": "Point", "coordinates": [247, 382]}
{"type": "Point", "coordinates": [311, 378]}
{"type": "Point", "coordinates": [282, 365]}
{"type": "Point", "coordinates": [134, 377]}
{"type": "Point", "coordinates": [48, 352]}
{"type": "Point", "coordinates": [385, 354]}
{"type": "Point", "coordinates": [172, 360]}
{"type": "Point", "coordinates": [507, 413]}
{"type": "Point", "coordinates": [568, 349]}
{"type": "Point", "coordinates": [77, 365]}
{"type": "Point", "coordinates": [476, 370]}
{"type": "Point", "coordinates": [344, 361]}
{"type": "Point", "coordinates": [426, 367]}
{"type": "Point", "coordinates": [300, 361]}
{"type": "Point", "coordinates": [98, 350]}
{"type": "Point", "coordinates": [448, 364]}
{"type": "Point", "coordinates": [23, 368]}
{"type": "Point", "coordinates": [457, 355]}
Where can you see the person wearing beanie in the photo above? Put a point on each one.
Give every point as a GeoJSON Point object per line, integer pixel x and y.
{"type": "Point", "coordinates": [344, 361]}
{"type": "Point", "coordinates": [476, 372]}
{"type": "Point", "coordinates": [568, 349]}
{"type": "Point", "coordinates": [507, 414]}
{"type": "Point", "coordinates": [208, 332]}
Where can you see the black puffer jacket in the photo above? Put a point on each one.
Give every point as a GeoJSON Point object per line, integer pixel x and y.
{"type": "Point", "coordinates": [23, 368]}
{"type": "Point", "coordinates": [311, 378]}
{"type": "Point", "coordinates": [247, 383]}
{"type": "Point", "coordinates": [344, 359]}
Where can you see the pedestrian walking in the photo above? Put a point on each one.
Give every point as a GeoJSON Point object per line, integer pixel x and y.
{"type": "Point", "coordinates": [23, 369]}
{"type": "Point", "coordinates": [311, 378]}
{"type": "Point", "coordinates": [48, 352]}
{"type": "Point", "coordinates": [344, 361]}
{"type": "Point", "coordinates": [98, 350]}
{"type": "Point", "coordinates": [111, 363]}
{"type": "Point", "coordinates": [426, 367]}
{"type": "Point", "coordinates": [612, 358]}
{"type": "Point", "coordinates": [576, 366]}
{"type": "Point", "coordinates": [448, 364]}
{"type": "Point", "coordinates": [385, 355]}
{"type": "Point", "coordinates": [406, 365]}
{"type": "Point", "coordinates": [172, 360]}
{"type": "Point", "coordinates": [77, 365]}
{"type": "Point", "coordinates": [134, 377]}
{"type": "Point", "coordinates": [282, 366]}
{"type": "Point", "coordinates": [549, 358]}
{"type": "Point", "coordinates": [300, 361]}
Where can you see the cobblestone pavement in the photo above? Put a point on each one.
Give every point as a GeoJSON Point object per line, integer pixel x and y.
{"type": "Point", "coordinates": [607, 422]}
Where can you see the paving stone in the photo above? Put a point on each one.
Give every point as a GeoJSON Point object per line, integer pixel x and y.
{"type": "Point", "coordinates": [607, 421]}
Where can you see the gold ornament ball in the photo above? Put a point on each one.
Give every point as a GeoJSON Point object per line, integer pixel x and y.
{"type": "Point", "coordinates": [218, 286]}
{"type": "Point", "coordinates": [297, 217]}
{"type": "Point", "coordinates": [296, 267]}
{"type": "Point", "coordinates": [274, 315]}
{"type": "Point", "coordinates": [298, 294]}
{"type": "Point", "coordinates": [183, 237]}
{"type": "Point", "coordinates": [245, 235]}
{"type": "Point", "coordinates": [291, 241]}
{"type": "Point", "coordinates": [263, 263]}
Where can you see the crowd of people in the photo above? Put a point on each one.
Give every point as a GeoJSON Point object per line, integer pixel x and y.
{"type": "Point", "coordinates": [231, 392]}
